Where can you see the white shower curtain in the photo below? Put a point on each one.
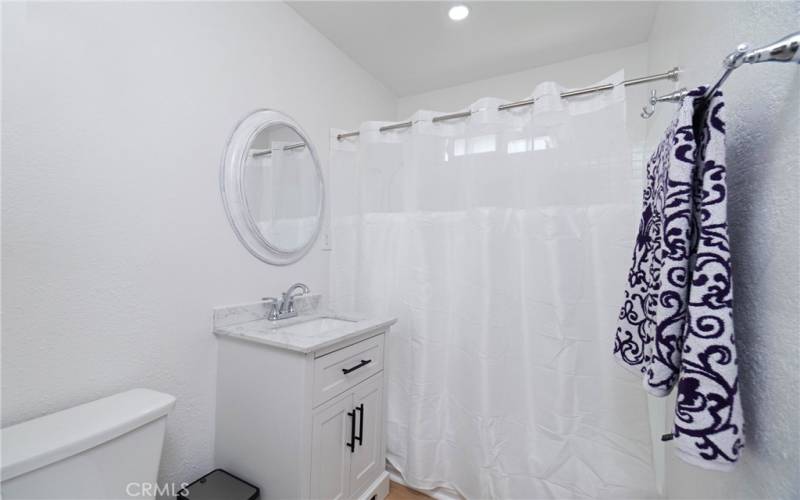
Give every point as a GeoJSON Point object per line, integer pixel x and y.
{"type": "Point", "coordinates": [500, 242]}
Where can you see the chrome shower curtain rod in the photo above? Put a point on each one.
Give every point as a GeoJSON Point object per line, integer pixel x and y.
{"type": "Point", "coordinates": [787, 49]}
{"type": "Point", "coordinates": [669, 75]}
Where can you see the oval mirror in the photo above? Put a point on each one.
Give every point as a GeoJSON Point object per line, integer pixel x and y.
{"type": "Point", "coordinates": [272, 187]}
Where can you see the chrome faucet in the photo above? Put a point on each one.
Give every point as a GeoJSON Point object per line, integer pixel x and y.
{"type": "Point", "coordinates": [287, 300]}
{"type": "Point", "coordinates": [283, 308]}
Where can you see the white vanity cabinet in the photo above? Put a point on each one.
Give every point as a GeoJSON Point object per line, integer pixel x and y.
{"type": "Point", "coordinates": [347, 442]}
{"type": "Point", "coordinates": [303, 424]}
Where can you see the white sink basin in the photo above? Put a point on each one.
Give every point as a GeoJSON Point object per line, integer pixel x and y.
{"type": "Point", "coordinates": [315, 326]}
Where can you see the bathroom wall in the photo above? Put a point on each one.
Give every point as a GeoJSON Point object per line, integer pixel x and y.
{"type": "Point", "coordinates": [763, 109]}
{"type": "Point", "coordinates": [115, 244]}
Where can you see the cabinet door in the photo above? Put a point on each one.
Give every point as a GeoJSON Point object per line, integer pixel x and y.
{"type": "Point", "coordinates": [330, 455]}
{"type": "Point", "coordinates": [367, 461]}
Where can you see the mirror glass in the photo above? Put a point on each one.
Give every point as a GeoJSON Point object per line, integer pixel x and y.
{"type": "Point", "coordinates": [272, 187]}
{"type": "Point", "coordinates": [282, 188]}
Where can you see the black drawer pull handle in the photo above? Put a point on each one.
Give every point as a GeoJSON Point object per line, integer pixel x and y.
{"type": "Point", "coordinates": [364, 362]}
{"type": "Point", "coordinates": [352, 443]}
{"type": "Point", "coordinates": [360, 409]}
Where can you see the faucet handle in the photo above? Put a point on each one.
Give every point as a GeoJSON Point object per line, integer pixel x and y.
{"type": "Point", "coordinates": [273, 311]}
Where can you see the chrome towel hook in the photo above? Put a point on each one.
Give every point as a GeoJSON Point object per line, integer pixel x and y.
{"type": "Point", "coordinates": [650, 109]}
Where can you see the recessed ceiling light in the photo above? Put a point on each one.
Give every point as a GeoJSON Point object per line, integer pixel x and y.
{"type": "Point", "coordinates": [458, 12]}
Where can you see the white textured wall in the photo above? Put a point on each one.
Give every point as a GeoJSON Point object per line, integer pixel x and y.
{"type": "Point", "coordinates": [763, 141]}
{"type": "Point", "coordinates": [115, 243]}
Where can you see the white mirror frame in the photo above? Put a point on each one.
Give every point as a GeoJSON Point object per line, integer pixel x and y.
{"type": "Point", "coordinates": [232, 187]}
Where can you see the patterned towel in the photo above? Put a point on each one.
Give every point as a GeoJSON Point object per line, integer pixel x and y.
{"type": "Point", "coordinates": [676, 324]}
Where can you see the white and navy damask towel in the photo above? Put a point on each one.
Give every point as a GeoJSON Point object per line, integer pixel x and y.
{"type": "Point", "coordinates": [676, 326]}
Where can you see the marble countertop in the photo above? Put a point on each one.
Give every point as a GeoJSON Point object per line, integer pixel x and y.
{"type": "Point", "coordinates": [246, 322]}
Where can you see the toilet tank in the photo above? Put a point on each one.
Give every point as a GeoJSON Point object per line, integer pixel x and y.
{"type": "Point", "coordinates": [106, 449]}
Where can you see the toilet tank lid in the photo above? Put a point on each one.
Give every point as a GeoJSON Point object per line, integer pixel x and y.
{"type": "Point", "coordinates": [39, 442]}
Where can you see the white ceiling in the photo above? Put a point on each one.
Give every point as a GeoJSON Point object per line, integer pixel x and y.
{"type": "Point", "coordinates": [414, 47]}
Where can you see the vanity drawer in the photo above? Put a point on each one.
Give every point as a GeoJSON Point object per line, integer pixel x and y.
{"type": "Point", "coordinates": [336, 372]}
